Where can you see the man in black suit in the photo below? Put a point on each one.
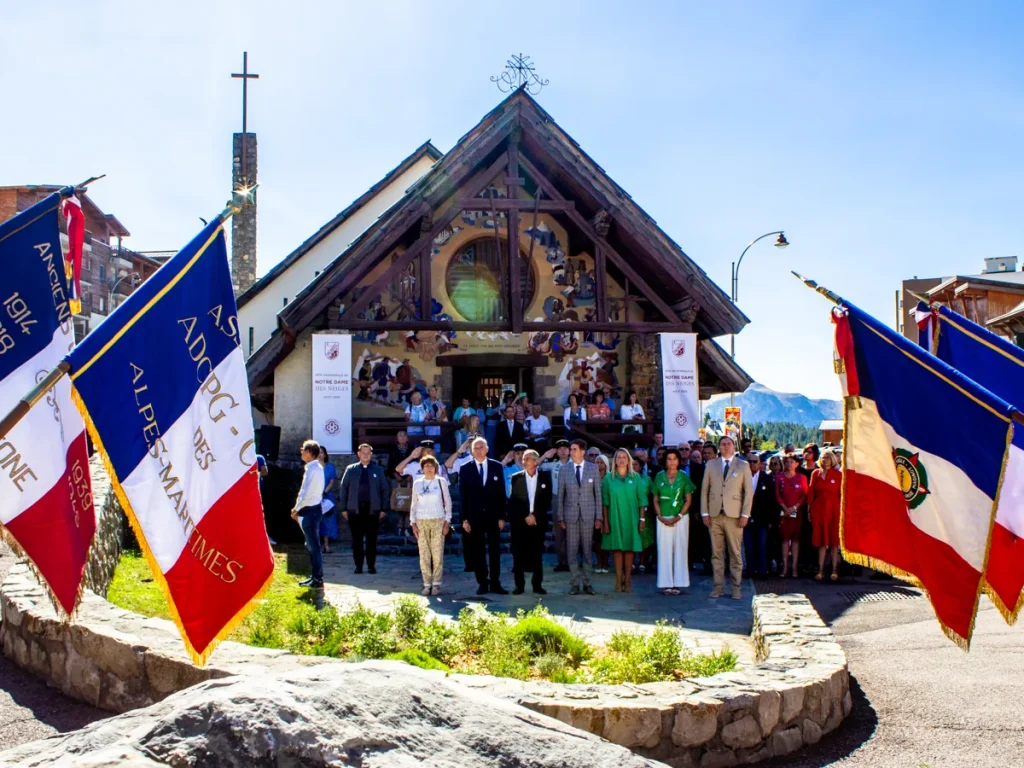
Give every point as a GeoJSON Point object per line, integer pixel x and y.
{"type": "Point", "coordinates": [528, 506]}
{"type": "Point", "coordinates": [508, 433]}
{"type": "Point", "coordinates": [763, 517]}
{"type": "Point", "coordinates": [482, 489]}
{"type": "Point", "coordinates": [700, 537]}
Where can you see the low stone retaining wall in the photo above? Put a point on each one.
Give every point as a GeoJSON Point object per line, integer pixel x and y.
{"type": "Point", "coordinates": [799, 690]}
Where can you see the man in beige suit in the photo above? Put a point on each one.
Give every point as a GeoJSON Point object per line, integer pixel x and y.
{"type": "Point", "coordinates": [727, 495]}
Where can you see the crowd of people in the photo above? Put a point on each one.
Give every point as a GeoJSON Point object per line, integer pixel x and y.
{"type": "Point", "coordinates": [661, 511]}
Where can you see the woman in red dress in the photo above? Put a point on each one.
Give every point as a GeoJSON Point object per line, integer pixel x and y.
{"type": "Point", "coordinates": [791, 492]}
{"type": "Point", "coordinates": [823, 503]}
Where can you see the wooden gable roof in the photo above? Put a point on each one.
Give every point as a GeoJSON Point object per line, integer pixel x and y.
{"type": "Point", "coordinates": [564, 171]}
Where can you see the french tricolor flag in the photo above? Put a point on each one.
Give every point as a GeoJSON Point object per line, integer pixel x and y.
{"type": "Point", "coordinates": [925, 453]}
{"type": "Point", "coordinates": [163, 388]}
{"type": "Point", "coordinates": [996, 364]}
{"type": "Point", "coordinates": [46, 506]}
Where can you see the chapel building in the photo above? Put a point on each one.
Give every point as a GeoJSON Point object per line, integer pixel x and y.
{"type": "Point", "coordinates": [423, 272]}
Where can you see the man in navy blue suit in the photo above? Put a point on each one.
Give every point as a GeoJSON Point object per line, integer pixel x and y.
{"type": "Point", "coordinates": [482, 487]}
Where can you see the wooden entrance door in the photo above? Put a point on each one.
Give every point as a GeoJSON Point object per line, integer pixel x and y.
{"type": "Point", "coordinates": [480, 384]}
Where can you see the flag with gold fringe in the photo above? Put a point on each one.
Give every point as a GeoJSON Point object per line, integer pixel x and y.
{"type": "Point", "coordinates": [916, 502]}
{"type": "Point", "coordinates": [162, 386]}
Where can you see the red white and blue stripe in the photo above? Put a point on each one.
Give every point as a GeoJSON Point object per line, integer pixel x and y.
{"type": "Point", "coordinates": [996, 364]}
{"type": "Point", "coordinates": [164, 387]}
{"type": "Point", "coordinates": [46, 504]}
{"type": "Point", "coordinates": [925, 450]}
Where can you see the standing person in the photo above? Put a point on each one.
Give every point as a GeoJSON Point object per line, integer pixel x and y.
{"type": "Point", "coordinates": [574, 413]}
{"type": "Point", "coordinates": [811, 453]}
{"type": "Point", "coordinates": [307, 510]}
{"type": "Point", "coordinates": [791, 492]}
{"type": "Point", "coordinates": [511, 464]}
{"type": "Point", "coordinates": [436, 411]}
{"type": "Point", "coordinates": [470, 429]}
{"type": "Point", "coordinates": [823, 506]}
{"type": "Point", "coordinates": [624, 497]}
{"type": "Point", "coordinates": [329, 520]}
{"type": "Point", "coordinates": [775, 471]}
{"type": "Point", "coordinates": [528, 505]}
{"type": "Point", "coordinates": [554, 468]}
{"type": "Point", "coordinates": [727, 495]}
{"type": "Point", "coordinates": [763, 515]}
{"type": "Point", "coordinates": [604, 466]}
{"type": "Point", "coordinates": [509, 432]}
{"type": "Point", "coordinates": [700, 536]}
{"type": "Point", "coordinates": [464, 410]}
{"type": "Point", "coordinates": [631, 410]}
{"type": "Point", "coordinates": [579, 505]}
{"type": "Point", "coordinates": [647, 536]}
{"type": "Point", "coordinates": [431, 517]}
{"type": "Point", "coordinates": [673, 493]}
{"type": "Point", "coordinates": [262, 471]}
{"type": "Point", "coordinates": [365, 496]}
{"type": "Point", "coordinates": [398, 453]}
{"type": "Point", "coordinates": [492, 417]}
{"type": "Point", "coordinates": [483, 516]}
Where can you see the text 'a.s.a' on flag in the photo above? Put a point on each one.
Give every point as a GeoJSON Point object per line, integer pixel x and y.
{"type": "Point", "coordinates": [163, 385]}
{"type": "Point", "coordinates": [919, 499]}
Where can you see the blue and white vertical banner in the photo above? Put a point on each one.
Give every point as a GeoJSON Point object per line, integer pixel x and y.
{"type": "Point", "coordinates": [332, 391]}
{"type": "Point", "coordinates": [680, 387]}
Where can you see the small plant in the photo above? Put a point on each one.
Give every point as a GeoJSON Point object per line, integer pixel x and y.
{"type": "Point", "coordinates": [410, 616]}
{"type": "Point", "coordinates": [419, 659]}
{"type": "Point", "coordinates": [543, 635]}
{"type": "Point", "coordinates": [710, 664]}
{"type": "Point", "coordinates": [440, 640]}
{"type": "Point", "coordinates": [476, 624]}
{"type": "Point", "coordinates": [375, 639]}
{"type": "Point", "coordinates": [265, 627]}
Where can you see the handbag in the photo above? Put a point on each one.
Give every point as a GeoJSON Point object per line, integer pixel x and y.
{"type": "Point", "coordinates": [401, 498]}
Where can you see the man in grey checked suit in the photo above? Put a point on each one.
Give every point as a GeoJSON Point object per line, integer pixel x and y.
{"type": "Point", "coordinates": [579, 512]}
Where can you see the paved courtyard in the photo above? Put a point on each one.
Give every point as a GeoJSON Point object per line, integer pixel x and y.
{"type": "Point", "coordinates": [705, 624]}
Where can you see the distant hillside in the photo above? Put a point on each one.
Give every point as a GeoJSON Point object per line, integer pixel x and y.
{"type": "Point", "coordinates": [762, 404]}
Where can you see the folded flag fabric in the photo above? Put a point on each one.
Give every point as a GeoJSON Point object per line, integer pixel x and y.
{"type": "Point", "coordinates": [996, 364]}
{"type": "Point", "coordinates": [76, 242]}
{"type": "Point", "coordinates": [918, 498]}
{"type": "Point", "coordinates": [162, 385]}
{"type": "Point", "coordinates": [46, 505]}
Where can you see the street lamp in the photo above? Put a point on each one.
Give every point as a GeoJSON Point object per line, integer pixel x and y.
{"type": "Point", "coordinates": [136, 282]}
{"type": "Point", "coordinates": [780, 242]}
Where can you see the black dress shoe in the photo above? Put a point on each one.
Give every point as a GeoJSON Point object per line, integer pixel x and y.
{"type": "Point", "coordinates": [518, 591]}
{"type": "Point", "coordinates": [306, 582]}
{"type": "Point", "coordinates": [371, 569]}
{"type": "Point", "coordinates": [468, 569]}
{"type": "Point", "coordinates": [588, 590]}
{"type": "Point", "coordinates": [574, 590]}
{"type": "Point", "coordinates": [539, 591]}
{"type": "Point", "coordinates": [318, 584]}
{"type": "Point", "coordinates": [497, 589]}
{"type": "Point", "coordinates": [481, 590]}
{"type": "Point", "coordinates": [358, 570]}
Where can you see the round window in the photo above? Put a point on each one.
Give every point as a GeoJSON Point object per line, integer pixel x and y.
{"type": "Point", "coordinates": [476, 282]}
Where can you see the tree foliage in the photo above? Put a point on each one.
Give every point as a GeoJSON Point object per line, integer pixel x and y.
{"type": "Point", "coordinates": [780, 433]}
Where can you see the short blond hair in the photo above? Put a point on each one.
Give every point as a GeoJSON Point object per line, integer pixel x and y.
{"type": "Point", "coordinates": [832, 455]}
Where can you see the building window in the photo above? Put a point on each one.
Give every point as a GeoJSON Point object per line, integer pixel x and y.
{"type": "Point", "coordinates": [102, 272]}
{"type": "Point", "coordinates": [476, 281]}
{"type": "Point", "coordinates": [251, 338]}
{"type": "Point", "coordinates": [101, 304]}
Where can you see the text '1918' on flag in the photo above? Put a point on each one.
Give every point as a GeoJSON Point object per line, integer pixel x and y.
{"type": "Point", "coordinates": [996, 364]}
{"type": "Point", "coordinates": [46, 503]}
{"type": "Point", "coordinates": [919, 497]}
{"type": "Point", "coordinates": [163, 386]}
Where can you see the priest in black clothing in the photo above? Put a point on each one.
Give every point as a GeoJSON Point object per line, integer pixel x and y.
{"type": "Point", "coordinates": [482, 488]}
{"type": "Point", "coordinates": [528, 506]}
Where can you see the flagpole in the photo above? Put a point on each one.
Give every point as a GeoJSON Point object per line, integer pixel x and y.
{"type": "Point", "coordinates": [238, 199]}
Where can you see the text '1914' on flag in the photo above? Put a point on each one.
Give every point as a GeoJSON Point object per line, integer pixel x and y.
{"type": "Point", "coordinates": [996, 364]}
{"type": "Point", "coordinates": [163, 387]}
{"type": "Point", "coordinates": [919, 498]}
{"type": "Point", "coordinates": [46, 505]}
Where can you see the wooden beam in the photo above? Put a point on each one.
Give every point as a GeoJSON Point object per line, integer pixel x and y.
{"type": "Point", "coordinates": [601, 280]}
{"type": "Point", "coordinates": [359, 324]}
{"type": "Point", "coordinates": [540, 179]}
{"type": "Point", "coordinates": [380, 284]}
{"type": "Point", "coordinates": [504, 204]}
{"type": "Point", "coordinates": [515, 306]}
{"type": "Point", "coordinates": [426, 303]}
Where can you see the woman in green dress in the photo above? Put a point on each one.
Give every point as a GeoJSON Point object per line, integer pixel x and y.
{"type": "Point", "coordinates": [673, 491]}
{"type": "Point", "coordinates": [624, 498]}
{"type": "Point", "coordinates": [648, 537]}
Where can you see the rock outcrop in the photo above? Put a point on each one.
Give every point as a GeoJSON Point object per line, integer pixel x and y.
{"type": "Point", "coordinates": [373, 714]}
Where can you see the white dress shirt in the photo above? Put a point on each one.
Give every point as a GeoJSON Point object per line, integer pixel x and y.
{"type": "Point", "coordinates": [311, 491]}
{"type": "Point", "coordinates": [510, 425]}
{"type": "Point", "coordinates": [430, 500]}
{"type": "Point", "coordinates": [531, 488]}
{"type": "Point", "coordinates": [481, 467]}
{"type": "Point", "coordinates": [628, 411]}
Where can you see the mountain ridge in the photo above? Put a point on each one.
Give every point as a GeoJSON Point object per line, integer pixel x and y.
{"type": "Point", "coordinates": [761, 403]}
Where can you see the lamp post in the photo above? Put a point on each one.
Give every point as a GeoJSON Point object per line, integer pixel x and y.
{"type": "Point", "coordinates": [780, 242]}
{"type": "Point", "coordinates": [136, 281]}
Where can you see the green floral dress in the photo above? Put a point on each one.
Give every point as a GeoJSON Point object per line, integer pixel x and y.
{"type": "Point", "coordinates": [623, 497]}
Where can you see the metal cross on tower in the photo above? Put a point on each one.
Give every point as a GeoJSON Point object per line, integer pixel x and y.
{"type": "Point", "coordinates": [519, 73]}
{"type": "Point", "coordinates": [245, 76]}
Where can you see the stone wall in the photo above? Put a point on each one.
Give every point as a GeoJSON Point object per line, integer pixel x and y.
{"type": "Point", "coordinates": [798, 691]}
{"type": "Point", "coordinates": [111, 525]}
{"type": "Point", "coordinates": [243, 223]}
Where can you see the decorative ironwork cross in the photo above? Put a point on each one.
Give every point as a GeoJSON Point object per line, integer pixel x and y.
{"type": "Point", "coordinates": [519, 72]}
{"type": "Point", "coordinates": [245, 76]}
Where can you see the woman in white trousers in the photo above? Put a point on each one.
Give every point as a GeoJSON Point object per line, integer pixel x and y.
{"type": "Point", "coordinates": [673, 491]}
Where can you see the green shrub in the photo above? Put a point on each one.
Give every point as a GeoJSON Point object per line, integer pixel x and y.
{"type": "Point", "coordinates": [476, 625]}
{"type": "Point", "coordinates": [440, 640]}
{"type": "Point", "coordinates": [419, 659]}
{"type": "Point", "coordinates": [374, 640]}
{"type": "Point", "coordinates": [410, 616]}
{"type": "Point", "coordinates": [503, 655]}
{"type": "Point", "coordinates": [265, 626]}
{"type": "Point", "coordinates": [553, 666]}
{"type": "Point", "coordinates": [637, 658]}
{"type": "Point", "coordinates": [710, 664]}
{"type": "Point", "coordinates": [544, 635]}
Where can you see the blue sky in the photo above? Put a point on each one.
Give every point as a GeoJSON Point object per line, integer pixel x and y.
{"type": "Point", "coordinates": [885, 138]}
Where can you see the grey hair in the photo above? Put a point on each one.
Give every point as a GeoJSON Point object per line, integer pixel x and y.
{"type": "Point", "coordinates": [478, 440]}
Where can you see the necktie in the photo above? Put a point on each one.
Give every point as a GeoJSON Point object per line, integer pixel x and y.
{"type": "Point", "coordinates": [579, 475]}
{"type": "Point", "coordinates": [482, 476]}
{"type": "Point", "coordinates": [725, 472]}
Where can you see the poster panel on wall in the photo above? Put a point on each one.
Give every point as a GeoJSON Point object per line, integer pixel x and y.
{"type": "Point", "coordinates": [680, 387]}
{"type": "Point", "coordinates": [734, 422]}
{"type": "Point", "coordinates": [332, 391]}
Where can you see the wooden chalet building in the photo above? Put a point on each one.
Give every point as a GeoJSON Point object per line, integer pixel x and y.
{"type": "Point", "coordinates": [435, 291]}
